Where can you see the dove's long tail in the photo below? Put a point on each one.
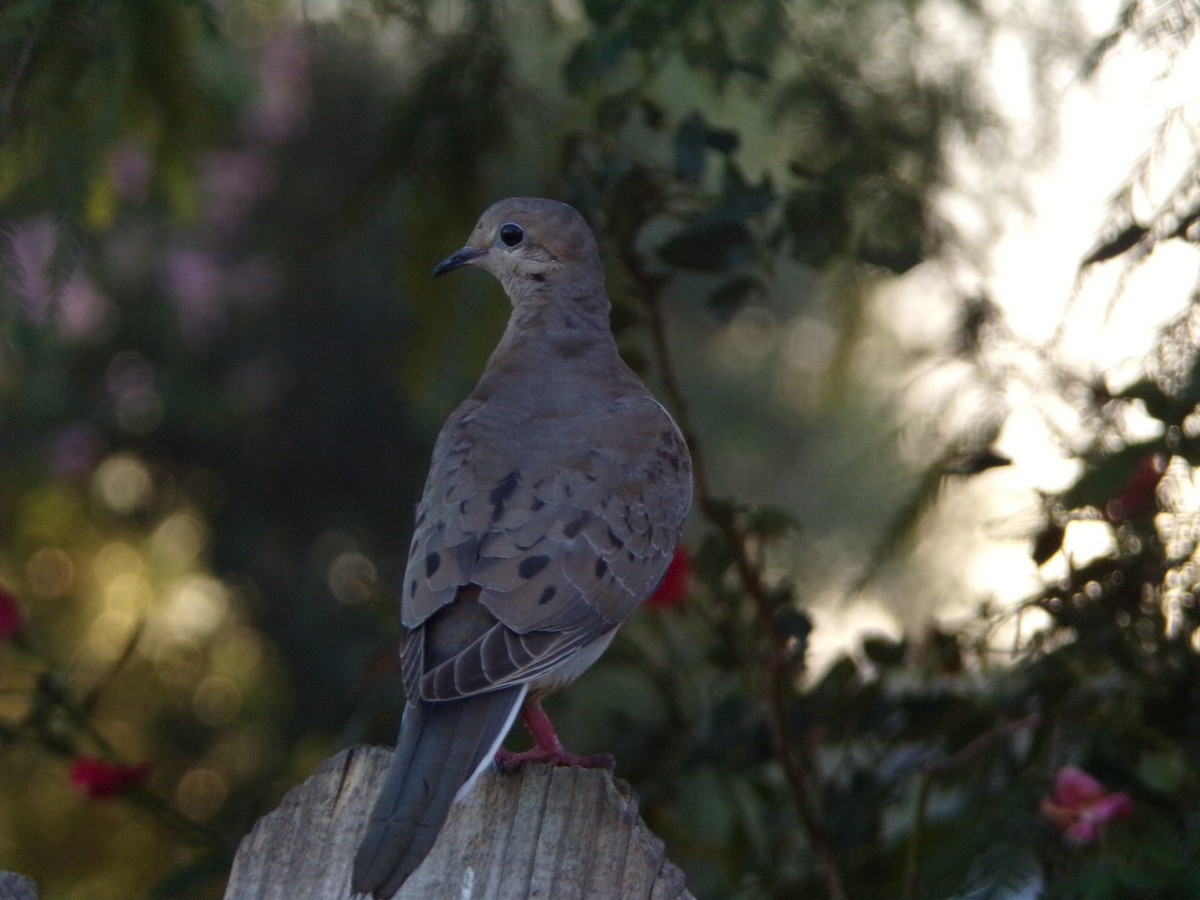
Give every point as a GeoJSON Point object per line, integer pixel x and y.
{"type": "Point", "coordinates": [441, 750]}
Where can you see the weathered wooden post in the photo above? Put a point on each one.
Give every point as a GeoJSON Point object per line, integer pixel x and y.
{"type": "Point", "coordinates": [554, 833]}
{"type": "Point", "coordinates": [16, 887]}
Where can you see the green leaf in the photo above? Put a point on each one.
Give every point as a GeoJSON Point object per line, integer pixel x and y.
{"type": "Point", "coordinates": [1189, 449]}
{"type": "Point", "coordinates": [691, 147]}
{"type": "Point", "coordinates": [592, 60]}
{"type": "Point", "coordinates": [1004, 872]}
{"type": "Point", "coordinates": [894, 235]}
{"type": "Point", "coordinates": [795, 627]}
{"type": "Point", "coordinates": [723, 140]}
{"type": "Point", "coordinates": [1103, 481]}
{"type": "Point", "coordinates": [1121, 242]}
{"type": "Point", "coordinates": [731, 296]}
{"type": "Point", "coordinates": [602, 12]}
{"type": "Point", "coordinates": [771, 522]}
{"type": "Point", "coordinates": [1158, 404]}
{"type": "Point", "coordinates": [712, 560]}
{"type": "Point", "coordinates": [883, 651]}
{"type": "Point", "coordinates": [741, 199]}
{"type": "Point", "coordinates": [715, 244]}
{"type": "Point", "coordinates": [1048, 542]}
{"type": "Point", "coordinates": [211, 868]}
{"type": "Point", "coordinates": [815, 216]}
{"type": "Point", "coordinates": [1164, 772]}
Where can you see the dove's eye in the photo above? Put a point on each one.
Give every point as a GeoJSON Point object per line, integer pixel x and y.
{"type": "Point", "coordinates": [511, 234]}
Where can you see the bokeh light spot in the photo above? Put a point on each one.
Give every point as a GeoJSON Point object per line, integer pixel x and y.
{"type": "Point", "coordinates": [239, 652]}
{"type": "Point", "coordinates": [196, 606]}
{"type": "Point", "coordinates": [352, 578]}
{"type": "Point", "coordinates": [116, 559]}
{"type": "Point", "coordinates": [217, 701]}
{"type": "Point", "coordinates": [178, 539]}
{"type": "Point", "coordinates": [50, 572]}
{"type": "Point", "coordinates": [178, 662]}
{"type": "Point", "coordinates": [123, 483]}
{"type": "Point", "coordinates": [109, 635]}
{"type": "Point", "coordinates": [201, 793]}
{"type": "Point", "coordinates": [129, 594]}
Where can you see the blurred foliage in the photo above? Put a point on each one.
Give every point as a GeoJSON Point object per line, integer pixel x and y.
{"type": "Point", "coordinates": [1130, 230]}
{"type": "Point", "coordinates": [222, 365]}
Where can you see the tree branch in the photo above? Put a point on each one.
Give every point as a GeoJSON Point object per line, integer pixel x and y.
{"type": "Point", "coordinates": [799, 769]}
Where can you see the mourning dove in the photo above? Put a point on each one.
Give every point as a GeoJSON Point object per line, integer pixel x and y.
{"type": "Point", "coordinates": [554, 503]}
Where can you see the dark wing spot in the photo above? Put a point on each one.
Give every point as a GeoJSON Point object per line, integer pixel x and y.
{"type": "Point", "coordinates": [432, 562]}
{"type": "Point", "coordinates": [412, 586]}
{"type": "Point", "coordinates": [537, 504]}
{"type": "Point", "coordinates": [531, 565]}
{"type": "Point", "coordinates": [616, 542]}
{"type": "Point", "coordinates": [601, 567]}
{"type": "Point", "coordinates": [572, 528]}
{"type": "Point", "coordinates": [548, 594]}
{"type": "Point", "coordinates": [501, 493]}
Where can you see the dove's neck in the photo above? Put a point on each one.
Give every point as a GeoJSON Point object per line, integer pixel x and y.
{"type": "Point", "coordinates": [553, 325]}
{"type": "Point", "coordinates": [555, 345]}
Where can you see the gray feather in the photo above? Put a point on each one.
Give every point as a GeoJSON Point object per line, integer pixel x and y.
{"type": "Point", "coordinates": [441, 747]}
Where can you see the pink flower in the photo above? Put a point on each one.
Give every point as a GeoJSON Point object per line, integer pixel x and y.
{"type": "Point", "coordinates": [674, 587]}
{"type": "Point", "coordinates": [1081, 807]}
{"type": "Point", "coordinates": [1138, 497]}
{"type": "Point", "coordinates": [11, 617]}
{"type": "Point", "coordinates": [100, 778]}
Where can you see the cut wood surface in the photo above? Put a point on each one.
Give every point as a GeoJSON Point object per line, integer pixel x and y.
{"type": "Point", "coordinates": [540, 832]}
{"type": "Point", "coordinates": [16, 887]}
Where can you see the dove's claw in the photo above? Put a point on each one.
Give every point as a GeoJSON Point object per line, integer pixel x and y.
{"type": "Point", "coordinates": [546, 746]}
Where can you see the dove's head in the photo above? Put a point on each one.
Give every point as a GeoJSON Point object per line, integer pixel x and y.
{"type": "Point", "coordinates": [531, 244]}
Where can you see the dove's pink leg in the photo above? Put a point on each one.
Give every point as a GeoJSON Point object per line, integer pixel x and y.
{"type": "Point", "coordinates": [546, 746]}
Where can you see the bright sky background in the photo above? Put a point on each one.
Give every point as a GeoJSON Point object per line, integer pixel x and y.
{"type": "Point", "coordinates": [1030, 269]}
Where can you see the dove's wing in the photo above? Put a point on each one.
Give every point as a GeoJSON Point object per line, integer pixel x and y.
{"type": "Point", "coordinates": [551, 550]}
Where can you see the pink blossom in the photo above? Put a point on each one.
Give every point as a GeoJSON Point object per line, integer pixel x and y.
{"type": "Point", "coordinates": [1138, 497]}
{"type": "Point", "coordinates": [100, 778]}
{"type": "Point", "coordinates": [73, 450]}
{"type": "Point", "coordinates": [32, 244]}
{"type": "Point", "coordinates": [82, 310]}
{"type": "Point", "coordinates": [1081, 807]}
{"type": "Point", "coordinates": [131, 168]}
{"type": "Point", "coordinates": [232, 183]}
{"type": "Point", "coordinates": [282, 104]}
{"type": "Point", "coordinates": [196, 282]}
{"type": "Point", "coordinates": [11, 617]}
{"type": "Point", "coordinates": [673, 589]}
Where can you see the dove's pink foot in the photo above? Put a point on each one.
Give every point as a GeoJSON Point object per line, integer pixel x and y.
{"type": "Point", "coordinates": [546, 746]}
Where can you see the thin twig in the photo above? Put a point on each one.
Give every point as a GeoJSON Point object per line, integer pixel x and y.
{"type": "Point", "coordinates": [798, 768]}
{"type": "Point", "coordinates": [981, 745]}
{"type": "Point", "coordinates": [17, 75]}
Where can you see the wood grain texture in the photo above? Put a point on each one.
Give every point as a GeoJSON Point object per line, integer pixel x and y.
{"type": "Point", "coordinates": [16, 887]}
{"type": "Point", "coordinates": [542, 832]}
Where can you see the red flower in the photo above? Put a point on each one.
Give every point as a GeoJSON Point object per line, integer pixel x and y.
{"type": "Point", "coordinates": [101, 778]}
{"type": "Point", "coordinates": [1081, 807]}
{"type": "Point", "coordinates": [11, 617]}
{"type": "Point", "coordinates": [1138, 497]}
{"type": "Point", "coordinates": [673, 588]}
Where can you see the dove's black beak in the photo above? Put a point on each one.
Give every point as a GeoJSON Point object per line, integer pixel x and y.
{"type": "Point", "coordinates": [463, 257]}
